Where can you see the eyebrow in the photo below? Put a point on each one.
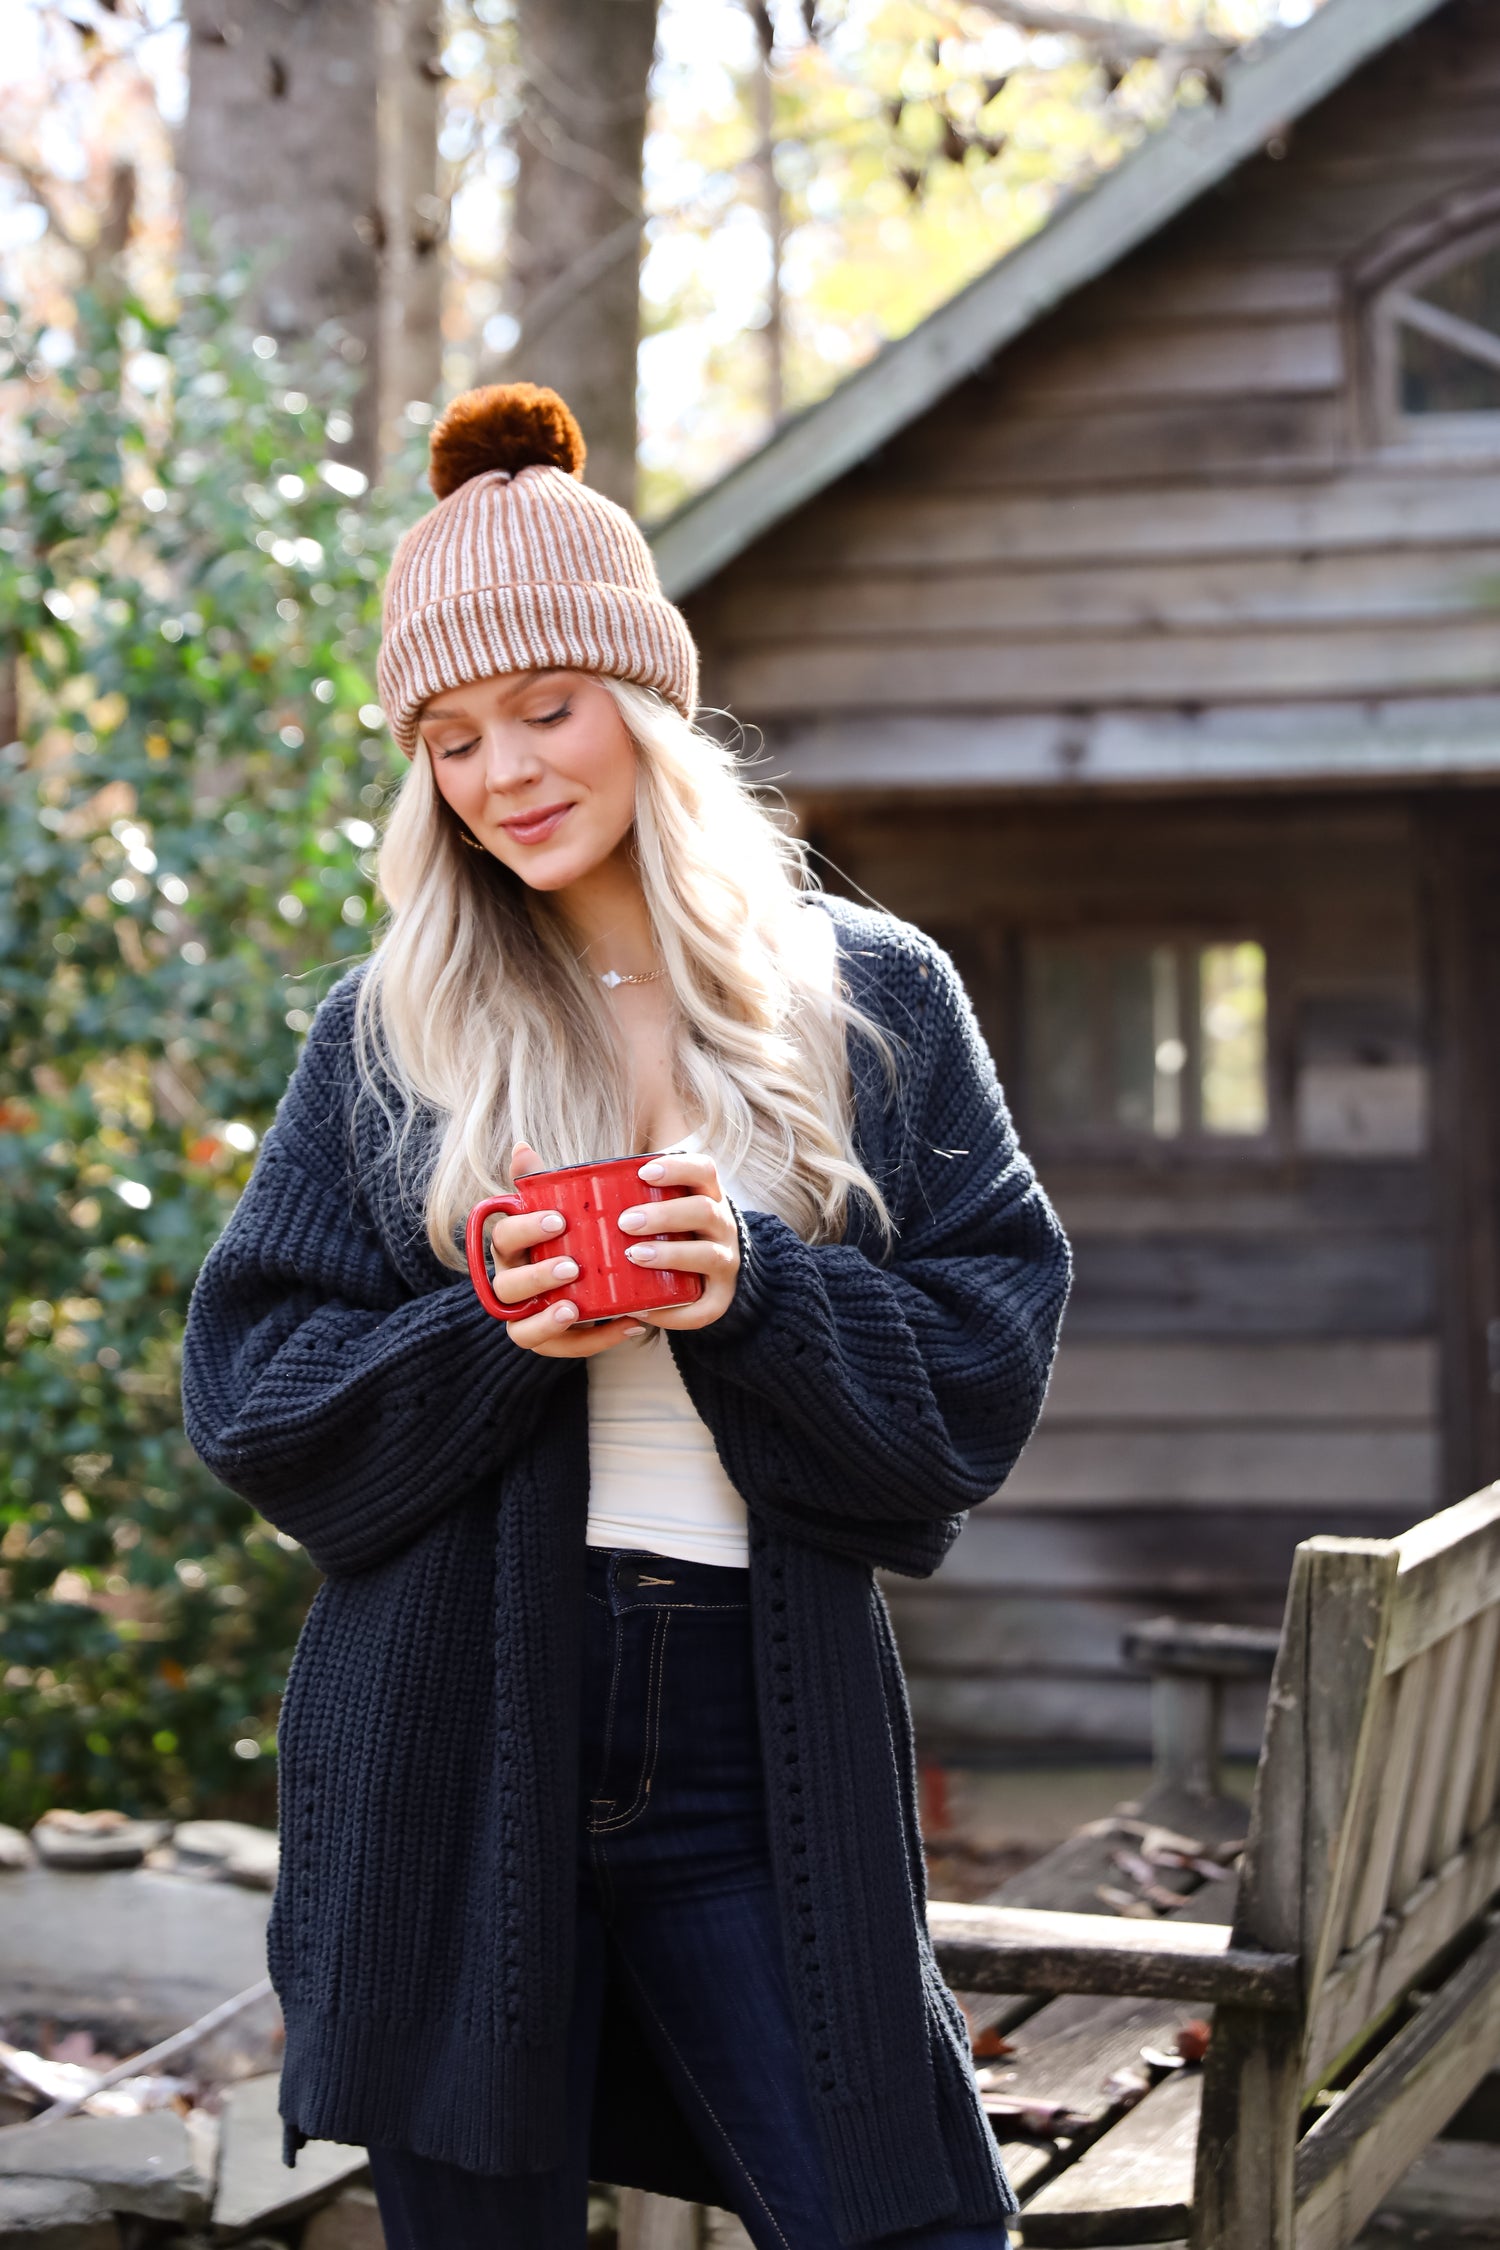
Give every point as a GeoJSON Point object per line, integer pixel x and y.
{"type": "Point", "coordinates": [525, 680]}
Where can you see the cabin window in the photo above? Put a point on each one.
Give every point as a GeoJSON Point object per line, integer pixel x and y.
{"type": "Point", "coordinates": [1135, 1038]}
{"type": "Point", "coordinates": [1439, 337]}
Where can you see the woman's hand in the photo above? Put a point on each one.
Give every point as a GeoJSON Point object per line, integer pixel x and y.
{"type": "Point", "coordinates": [711, 1244]}
{"type": "Point", "coordinates": [551, 1331]}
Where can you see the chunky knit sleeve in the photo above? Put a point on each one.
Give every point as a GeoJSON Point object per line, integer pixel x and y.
{"type": "Point", "coordinates": [349, 1410]}
{"type": "Point", "coordinates": [862, 1400]}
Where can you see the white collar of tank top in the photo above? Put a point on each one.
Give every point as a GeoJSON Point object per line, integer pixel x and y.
{"type": "Point", "coordinates": [656, 1484]}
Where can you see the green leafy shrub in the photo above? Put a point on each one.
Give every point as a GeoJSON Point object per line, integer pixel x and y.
{"type": "Point", "coordinates": [188, 577]}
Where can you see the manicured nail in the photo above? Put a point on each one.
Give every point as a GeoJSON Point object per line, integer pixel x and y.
{"type": "Point", "coordinates": [564, 1269]}
{"type": "Point", "coordinates": [552, 1222]}
{"type": "Point", "coordinates": [653, 1171]}
{"type": "Point", "coordinates": [634, 1328]}
{"type": "Point", "coordinates": [632, 1221]}
{"type": "Point", "coordinates": [640, 1253]}
{"type": "Point", "coordinates": [565, 1311]}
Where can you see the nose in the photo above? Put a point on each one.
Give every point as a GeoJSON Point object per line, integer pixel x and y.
{"type": "Point", "coordinates": [511, 761]}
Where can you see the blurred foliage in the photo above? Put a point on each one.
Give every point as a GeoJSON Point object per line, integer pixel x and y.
{"type": "Point", "coordinates": [189, 577]}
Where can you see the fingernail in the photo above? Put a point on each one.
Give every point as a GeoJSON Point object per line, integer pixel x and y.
{"type": "Point", "coordinates": [652, 1171]}
{"type": "Point", "coordinates": [564, 1269]}
{"type": "Point", "coordinates": [640, 1253]}
{"type": "Point", "coordinates": [552, 1222]}
{"type": "Point", "coordinates": [565, 1312]}
{"type": "Point", "coordinates": [631, 1221]}
{"type": "Point", "coordinates": [634, 1328]}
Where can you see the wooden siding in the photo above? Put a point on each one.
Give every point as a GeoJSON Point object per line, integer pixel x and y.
{"type": "Point", "coordinates": [1251, 1350]}
{"type": "Point", "coordinates": [1176, 490]}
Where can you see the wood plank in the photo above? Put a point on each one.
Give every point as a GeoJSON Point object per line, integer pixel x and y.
{"type": "Point", "coordinates": [1278, 1285]}
{"type": "Point", "coordinates": [1482, 1797]}
{"type": "Point", "coordinates": [1090, 1715]}
{"type": "Point", "coordinates": [1383, 1966]}
{"type": "Point", "coordinates": [1175, 284]}
{"type": "Point", "coordinates": [1154, 599]}
{"type": "Point", "coordinates": [1068, 2052]}
{"type": "Point", "coordinates": [1185, 360]}
{"type": "Point", "coordinates": [1135, 2184]}
{"type": "Point", "coordinates": [1385, 1197]}
{"type": "Point", "coordinates": [947, 1629]}
{"type": "Point", "coordinates": [1160, 1555]}
{"type": "Point", "coordinates": [1318, 1745]}
{"type": "Point", "coordinates": [1417, 507]}
{"type": "Point", "coordinates": [1192, 1380]}
{"type": "Point", "coordinates": [1265, 439]}
{"type": "Point", "coordinates": [1413, 1855]}
{"type": "Point", "coordinates": [1381, 1817]}
{"type": "Point", "coordinates": [1360, 2147]}
{"type": "Point", "coordinates": [1227, 1463]}
{"type": "Point", "coordinates": [960, 671]}
{"type": "Point", "coordinates": [1450, 1571]}
{"type": "Point", "coordinates": [1024, 2161]}
{"type": "Point", "coordinates": [1463, 1756]}
{"type": "Point", "coordinates": [866, 755]}
{"type": "Point", "coordinates": [1025, 1949]}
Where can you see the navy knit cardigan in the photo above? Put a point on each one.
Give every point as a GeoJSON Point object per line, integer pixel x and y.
{"type": "Point", "coordinates": [352, 1387]}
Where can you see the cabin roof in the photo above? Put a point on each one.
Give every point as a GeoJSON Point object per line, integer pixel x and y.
{"type": "Point", "coordinates": [1265, 88]}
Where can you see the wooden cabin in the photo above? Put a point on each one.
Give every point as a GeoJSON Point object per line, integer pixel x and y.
{"type": "Point", "coordinates": [1134, 626]}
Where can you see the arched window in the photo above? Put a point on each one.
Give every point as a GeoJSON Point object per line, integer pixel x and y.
{"type": "Point", "coordinates": [1437, 343]}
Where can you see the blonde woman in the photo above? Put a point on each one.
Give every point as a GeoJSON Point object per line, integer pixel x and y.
{"type": "Point", "coordinates": [599, 1847]}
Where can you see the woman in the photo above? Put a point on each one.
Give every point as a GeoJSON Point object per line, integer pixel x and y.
{"type": "Point", "coordinates": [599, 1846]}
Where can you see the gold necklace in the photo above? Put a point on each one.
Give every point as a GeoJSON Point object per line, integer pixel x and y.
{"type": "Point", "coordinates": [612, 977]}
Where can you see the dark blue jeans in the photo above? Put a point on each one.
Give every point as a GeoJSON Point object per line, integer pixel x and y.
{"type": "Point", "coordinates": [675, 1883]}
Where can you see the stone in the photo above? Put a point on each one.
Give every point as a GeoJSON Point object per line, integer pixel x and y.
{"type": "Point", "coordinates": [133, 1954]}
{"type": "Point", "coordinates": [15, 1850]}
{"type": "Point", "coordinates": [145, 2164]}
{"type": "Point", "coordinates": [255, 2188]}
{"type": "Point", "coordinates": [350, 2222]}
{"type": "Point", "coordinates": [54, 2215]}
{"type": "Point", "coordinates": [92, 1840]}
{"type": "Point", "coordinates": [232, 1847]}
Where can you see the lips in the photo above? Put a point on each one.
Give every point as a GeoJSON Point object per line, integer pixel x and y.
{"type": "Point", "coordinates": [536, 826]}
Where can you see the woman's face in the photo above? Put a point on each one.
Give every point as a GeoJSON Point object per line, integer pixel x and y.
{"type": "Point", "coordinates": [540, 766]}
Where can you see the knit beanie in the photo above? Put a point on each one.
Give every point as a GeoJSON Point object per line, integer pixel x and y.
{"type": "Point", "coordinates": [521, 567]}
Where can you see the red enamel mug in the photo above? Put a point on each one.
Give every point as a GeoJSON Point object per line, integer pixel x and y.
{"type": "Point", "coordinates": [590, 1197]}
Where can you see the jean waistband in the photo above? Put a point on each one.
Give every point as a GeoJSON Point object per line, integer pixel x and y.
{"type": "Point", "coordinates": [631, 1578]}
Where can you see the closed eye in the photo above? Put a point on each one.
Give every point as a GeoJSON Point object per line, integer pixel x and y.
{"type": "Point", "coordinates": [550, 718]}
{"type": "Point", "coordinates": [460, 749]}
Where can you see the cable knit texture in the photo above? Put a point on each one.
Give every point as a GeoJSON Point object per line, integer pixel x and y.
{"type": "Point", "coordinates": [352, 1388]}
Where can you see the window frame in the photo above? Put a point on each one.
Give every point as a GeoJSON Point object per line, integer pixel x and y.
{"type": "Point", "coordinates": [1193, 1144]}
{"type": "Point", "coordinates": [1425, 435]}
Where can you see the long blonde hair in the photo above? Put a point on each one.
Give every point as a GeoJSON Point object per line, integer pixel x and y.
{"type": "Point", "coordinates": [481, 1020]}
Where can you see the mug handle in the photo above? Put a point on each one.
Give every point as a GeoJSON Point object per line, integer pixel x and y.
{"type": "Point", "coordinates": [479, 1271]}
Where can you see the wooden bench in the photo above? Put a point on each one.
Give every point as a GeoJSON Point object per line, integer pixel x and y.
{"type": "Point", "coordinates": [1352, 1972]}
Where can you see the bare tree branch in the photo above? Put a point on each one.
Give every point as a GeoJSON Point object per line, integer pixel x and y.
{"type": "Point", "coordinates": [1125, 42]}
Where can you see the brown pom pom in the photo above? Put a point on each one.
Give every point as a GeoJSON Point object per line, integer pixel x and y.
{"type": "Point", "coordinates": [503, 426]}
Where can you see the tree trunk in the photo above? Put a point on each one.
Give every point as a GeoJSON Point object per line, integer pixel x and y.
{"type": "Point", "coordinates": [774, 212]}
{"type": "Point", "coordinates": [415, 222]}
{"type": "Point", "coordinates": [280, 156]}
{"type": "Point", "coordinates": [576, 230]}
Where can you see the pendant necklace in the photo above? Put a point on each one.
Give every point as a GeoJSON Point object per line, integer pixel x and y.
{"type": "Point", "coordinates": [612, 977]}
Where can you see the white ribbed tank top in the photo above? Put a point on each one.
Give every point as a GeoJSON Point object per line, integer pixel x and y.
{"type": "Point", "coordinates": [655, 1480]}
